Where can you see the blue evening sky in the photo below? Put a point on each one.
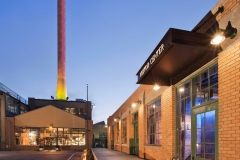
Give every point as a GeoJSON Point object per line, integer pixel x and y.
{"type": "Point", "coordinates": [107, 41]}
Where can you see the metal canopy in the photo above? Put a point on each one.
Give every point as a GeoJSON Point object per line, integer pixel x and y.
{"type": "Point", "coordinates": [174, 54]}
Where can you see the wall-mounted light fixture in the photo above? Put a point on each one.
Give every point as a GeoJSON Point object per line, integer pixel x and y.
{"type": "Point", "coordinates": [134, 104]}
{"type": "Point", "coordinates": [106, 125]}
{"type": "Point", "coordinates": [156, 87]}
{"type": "Point", "coordinates": [116, 119]}
{"type": "Point", "coordinates": [229, 32]}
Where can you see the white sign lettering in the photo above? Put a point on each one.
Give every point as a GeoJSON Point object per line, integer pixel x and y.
{"type": "Point", "coordinates": [152, 60]}
{"type": "Point", "coordinates": [144, 69]}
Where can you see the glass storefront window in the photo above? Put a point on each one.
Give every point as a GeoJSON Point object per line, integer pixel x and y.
{"type": "Point", "coordinates": [193, 92]}
{"type": "Point", "coordinates": [49, 136]}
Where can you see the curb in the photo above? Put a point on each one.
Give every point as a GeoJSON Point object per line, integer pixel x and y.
{"type": "Point", "coordinates": [95, 158]}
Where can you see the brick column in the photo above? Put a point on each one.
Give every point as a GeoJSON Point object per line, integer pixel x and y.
{"type": "Point", "coordinates": [229, 104]}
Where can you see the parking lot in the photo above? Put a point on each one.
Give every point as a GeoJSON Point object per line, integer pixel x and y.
{"type": "Point", "coordinates": [40, 155]}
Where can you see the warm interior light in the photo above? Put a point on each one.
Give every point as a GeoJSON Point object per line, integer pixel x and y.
{"type": "Point", "coordinates": [218, 39]}
{"type": "Point", "coordinates": [50, 128]}
{"type": "Point", "coordinates": [181, 89]}
{"type": "Point", "coordinates": [156, 87]}
{"type": "Point", "coordinates": [134, 105]}
{"type": "Point", "coordinates": [115, 119]}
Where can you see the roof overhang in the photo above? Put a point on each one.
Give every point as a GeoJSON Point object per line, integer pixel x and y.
{"type": "Point", "coordinates": [175, 53]}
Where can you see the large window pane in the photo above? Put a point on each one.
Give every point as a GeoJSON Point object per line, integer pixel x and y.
{"type": "Point", "coordinates": [213, 75]}
{"type": "Point", "coordinates": [204, 80]}
{"type": "Point", "coordinates": [153, 122]}
{"type": "Point", "coordinates": [200, 150]}
{"type": "Point", "coordinates": [213, 92]}
{"type": "Point", "coordinates": [201, 88]}
{"type": "Point", "coordinates": [205, 136]}
{"type": "Point", "coordinates": [210, 151]}
{"type": "Point", "coordinates": [210, 119]}
{"type": "Point", "coordinates": [196, 84]}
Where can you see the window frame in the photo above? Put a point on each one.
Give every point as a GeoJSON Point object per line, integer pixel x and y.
{"type": "Point", "coordinates": [154, 116]}
{"type": "Point", "coordinates": [124, 131]}
{"type": "Point", "coordinates": [193, 92]}
{"type": "Point", "coordinates": [118, 134]}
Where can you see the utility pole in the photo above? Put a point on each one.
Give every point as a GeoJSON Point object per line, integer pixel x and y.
{"type": "Point", "coordinates": [87, 130]}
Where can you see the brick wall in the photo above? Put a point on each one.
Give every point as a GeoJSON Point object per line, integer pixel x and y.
{"type": "Point", "coordinates": [229, 6]}
{"type": "Point", "coordinates": [166, 150]}
{"type": "Point", "coordinates": [89, 133]}
{"type": "Point", "coordinates": [125, 108]}
{"type": "Point", "coordinates": [10, 134]}
{"type": "Point", "coordinates": [229, 104]}
{"type": "Point", "coordinates": [146, 94]}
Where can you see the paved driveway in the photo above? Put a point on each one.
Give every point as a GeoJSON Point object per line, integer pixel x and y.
{"type": "Point", "coordinates": [37, 155]}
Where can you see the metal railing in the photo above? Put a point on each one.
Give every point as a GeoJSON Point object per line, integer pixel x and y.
{"type": "Point", "coordinates": [10, 92]}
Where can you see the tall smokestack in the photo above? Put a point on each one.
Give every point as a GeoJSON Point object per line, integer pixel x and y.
{"type": "Point", "coordinates": [61, 93]}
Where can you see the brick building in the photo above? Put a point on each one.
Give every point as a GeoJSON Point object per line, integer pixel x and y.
{"type": "Point", "coordinates": [196, 112]}
{"type": "Point", "coordinates": [40, 123]}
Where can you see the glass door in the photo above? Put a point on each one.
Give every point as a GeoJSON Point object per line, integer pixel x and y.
{"type": "Point", "coordinates": [204, 132]}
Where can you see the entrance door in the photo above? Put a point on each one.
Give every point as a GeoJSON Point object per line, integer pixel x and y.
{"type": "Point", "coordinates": [136, 139]}
{"type": "Point", "coordinates": [50, 143]}
{"type": "Point", "coordinates": [204, 132]}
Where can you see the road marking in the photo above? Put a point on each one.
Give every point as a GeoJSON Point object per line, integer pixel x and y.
{"type": "Point", "coordinates": [73, 155]}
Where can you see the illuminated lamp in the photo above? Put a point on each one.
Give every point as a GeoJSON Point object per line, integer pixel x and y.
{"type": "Point", "coordinates": [156, 87]}
{"type": "Point", "coordinates": [134, 103]}
{"type": "Point", "coordinates": [229, 32]}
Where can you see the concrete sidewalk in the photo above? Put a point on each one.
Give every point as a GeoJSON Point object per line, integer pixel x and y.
{"type": "Point", "coordinates": [109, 154]}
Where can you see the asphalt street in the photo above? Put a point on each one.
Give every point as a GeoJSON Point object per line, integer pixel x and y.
{"type": "Point", "coordinates": [40, 155]}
